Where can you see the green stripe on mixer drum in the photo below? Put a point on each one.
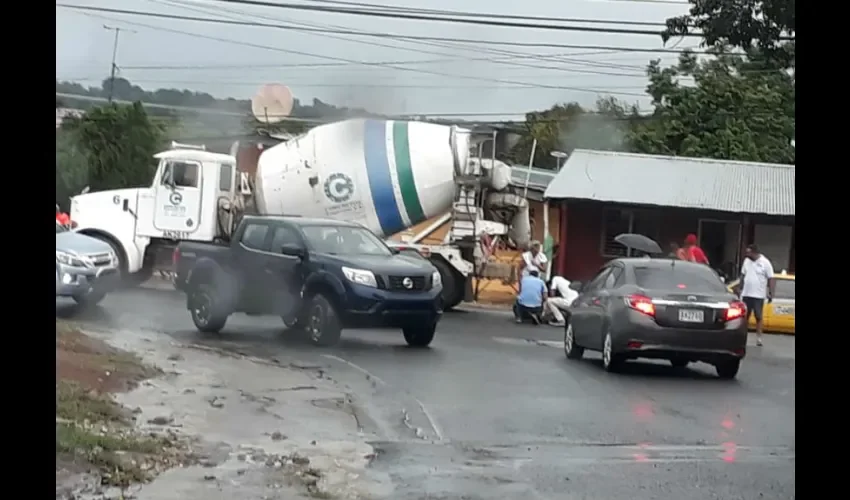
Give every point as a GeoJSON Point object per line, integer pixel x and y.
{"type": "Point", "coordinates": [406, 183]}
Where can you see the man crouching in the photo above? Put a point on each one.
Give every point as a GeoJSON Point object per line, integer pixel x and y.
{"type": "Point", "coordinates": [530, 298]}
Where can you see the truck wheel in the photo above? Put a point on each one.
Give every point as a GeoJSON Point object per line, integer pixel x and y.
{"type": "Point", "coordinates": [420, 335]}
{"type": "Point", "coordinates": [322, 323]}
{"type": "Point", "coordinates": [90, 299]}
{"type": "Point", "coordinates": [206, 309]}
{"type": "Point", "coordinates": [453, 284]}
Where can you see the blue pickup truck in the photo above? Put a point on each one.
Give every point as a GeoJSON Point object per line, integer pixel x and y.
{"type": "Point", "coordinates": [319, 275]}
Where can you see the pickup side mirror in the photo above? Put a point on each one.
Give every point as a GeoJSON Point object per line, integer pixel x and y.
{"type": "Point", "coordinates": [293, 250]}
{"type": "Point", "coordinates": [576, 285]}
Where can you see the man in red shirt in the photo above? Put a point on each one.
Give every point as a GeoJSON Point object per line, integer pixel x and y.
{"type": "Point", "coordinates": [693, 252]}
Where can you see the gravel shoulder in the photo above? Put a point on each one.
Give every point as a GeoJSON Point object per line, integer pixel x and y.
{"type": "Point", "coordinates": [220, 425]}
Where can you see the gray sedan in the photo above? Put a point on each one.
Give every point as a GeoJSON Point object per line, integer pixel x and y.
{"type": "Point", "coordinates": [86, 268]}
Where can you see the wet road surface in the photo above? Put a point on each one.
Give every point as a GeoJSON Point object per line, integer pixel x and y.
{"type": "Point", "coordinates": [494, 410]}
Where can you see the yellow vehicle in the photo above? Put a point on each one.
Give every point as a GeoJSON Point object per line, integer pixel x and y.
{"type": "Point", "coordinates": [779, 315]}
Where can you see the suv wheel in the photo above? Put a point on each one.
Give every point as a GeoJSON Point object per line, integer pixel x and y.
{"type": "Point", "coordinates": [206, 311]}
{"type": "Point", "coordinates": [728, 369]}
{"type": "Point", "coordinates": [571, 350]}
{"type": "Point", "coordinates": [322, 322]}
{"type": "Point", "coordinates": [89, 299]}
{"type": "Point", "coordinates": [420, 335]}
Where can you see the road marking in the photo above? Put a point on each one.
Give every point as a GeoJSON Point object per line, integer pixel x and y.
{"type": "Point", "coordinates": [431, 420]}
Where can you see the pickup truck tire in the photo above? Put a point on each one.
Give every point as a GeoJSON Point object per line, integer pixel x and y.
{"type": "Point", "coordinates": [206, 309]}
{"type": "Point", "coordinates": [321, 322]}
{"type": "Point", "coordinates": [420, 335]}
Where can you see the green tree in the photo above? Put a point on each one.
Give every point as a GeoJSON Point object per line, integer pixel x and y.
{"type": "Point", "coordinates": [735, 109]}
{"type": "Point", "coordinates": [766, 25]}
{"type": "Point", "coordinates": [565, 127]}
{"type": "Point", "coordinates": [117, 143]}
{"type": "Point", "coordinates": [71, 167]}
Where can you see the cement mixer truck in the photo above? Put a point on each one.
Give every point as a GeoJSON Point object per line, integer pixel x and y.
{"type": "Point", "coordinates": [387, 175]}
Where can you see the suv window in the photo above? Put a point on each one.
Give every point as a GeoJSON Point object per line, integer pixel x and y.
{"type": "Point", "coordinates": [254, 236]}
{"type": "Point", "coordinates": [785, 289]}
{"type": "Point", "coordinates": [694, 278]}
{"type": "Point", "coordinates": [284, 235]}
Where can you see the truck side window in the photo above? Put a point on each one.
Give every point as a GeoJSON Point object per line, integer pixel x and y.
{"type": "Point", "coordinates": [182, 174]}
{"type": "Point", "coordinates": [282, 236]}
{"type": "Point", "coordinates": [254, 236]}
{"type": "Point", "coordinates": [225, 179]}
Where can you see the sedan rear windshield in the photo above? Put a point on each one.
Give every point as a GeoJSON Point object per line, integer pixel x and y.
{"type": "Point", "coordinates": [690, 278]}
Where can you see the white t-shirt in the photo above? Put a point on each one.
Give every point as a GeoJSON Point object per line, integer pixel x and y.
{"type": "Point", "coordinates": [537, 262]}
{"type": "Point", "coordinates": [755, 275]}
{"type": "Point", "coordinates": [563, 287]}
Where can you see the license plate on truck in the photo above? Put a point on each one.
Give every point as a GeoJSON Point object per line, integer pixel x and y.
{"type": "Point", "coordinates": [691, 316]}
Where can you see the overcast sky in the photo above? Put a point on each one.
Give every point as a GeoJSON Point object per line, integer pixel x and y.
{"type": "Point", "coordinates": [156, 53]}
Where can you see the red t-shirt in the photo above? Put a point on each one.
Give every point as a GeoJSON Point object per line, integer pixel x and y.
{"type": "Point", "coordinates": [62, 218]}
{"type": "Point", "coordinates": [696, 254]}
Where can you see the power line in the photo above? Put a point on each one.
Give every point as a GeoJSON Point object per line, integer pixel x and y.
{"type": "Point", "coordinates": [408, 15]}
{"type": "Point", "coordinates": [319, 84]}
{"type": "Point", "coordinates": [443, 12]}
{"type": "Point", "coordinates": [508, 57]}
{"type": "Point", "coordinates": [366, 63]}
{"type": "Point", "coordinates": [541, 45]}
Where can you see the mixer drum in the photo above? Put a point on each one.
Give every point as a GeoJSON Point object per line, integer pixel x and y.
{"type": "Point", "coordinates": [386, 174]}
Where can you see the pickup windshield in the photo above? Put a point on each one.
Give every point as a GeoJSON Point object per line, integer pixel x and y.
{"type": "Point", "coordinates": [344, 240]}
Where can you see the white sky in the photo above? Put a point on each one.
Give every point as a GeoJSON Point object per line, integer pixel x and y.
{"type": "Point", "coordinates": [84, 50]}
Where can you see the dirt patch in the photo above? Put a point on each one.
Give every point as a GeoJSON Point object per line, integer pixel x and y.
{"type": "Point", "coordinates": [95, 365]}
{"type": "Point", "coordinates": [94, 434]}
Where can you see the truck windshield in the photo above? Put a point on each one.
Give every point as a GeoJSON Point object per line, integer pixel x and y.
{"type": "Point", "coordinates": [344, 240]}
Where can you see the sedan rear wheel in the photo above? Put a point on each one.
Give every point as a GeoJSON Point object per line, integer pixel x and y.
{"type": "Point", "coordinates": [571, 350]}
{"type": "Point", "coordinates": [611, 361]}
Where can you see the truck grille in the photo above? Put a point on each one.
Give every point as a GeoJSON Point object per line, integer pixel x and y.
{"type": "Point", "coordinates": [397, 283]}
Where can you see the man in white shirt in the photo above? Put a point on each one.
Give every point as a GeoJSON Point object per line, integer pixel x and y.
{"type": "Point", "coordinates": [534, 259]}
{"type": "Point", "coordinates": [757, 285]}
{"type": "Point", "coordinates": [560, 300]}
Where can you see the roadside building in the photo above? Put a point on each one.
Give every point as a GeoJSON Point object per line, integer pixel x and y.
{"type": "Point", "coordinates": [728, 204]}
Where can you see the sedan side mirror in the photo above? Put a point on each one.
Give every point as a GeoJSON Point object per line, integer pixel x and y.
{"type": "Point", "coordinates": [293, 250]}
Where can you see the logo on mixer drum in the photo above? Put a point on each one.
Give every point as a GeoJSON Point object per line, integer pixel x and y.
{"type": "Point", "coordinates": [339, 187]}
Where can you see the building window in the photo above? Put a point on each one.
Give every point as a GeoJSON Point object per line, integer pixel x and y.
{"type": "Point", "coordinates": [617, 221]}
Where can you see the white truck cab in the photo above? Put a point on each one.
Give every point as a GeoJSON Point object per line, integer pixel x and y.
{"type": "Point", "coordinates": [180, 204]}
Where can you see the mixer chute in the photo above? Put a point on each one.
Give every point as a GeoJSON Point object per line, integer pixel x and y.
{"type": "Point", "coordinates": [272, 103]}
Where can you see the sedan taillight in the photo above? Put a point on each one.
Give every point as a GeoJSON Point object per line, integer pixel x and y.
{"type": "Point", "coordinates": [641, 303]}
{"type": "Point", "coordinates": [737, 309]}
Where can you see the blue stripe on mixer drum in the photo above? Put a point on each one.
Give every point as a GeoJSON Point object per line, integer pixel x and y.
{"type": "Point", "coordinates": [380, 182]}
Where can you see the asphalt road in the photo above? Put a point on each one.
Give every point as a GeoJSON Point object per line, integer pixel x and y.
{"type": "Point", "coordinates": [494, 410]}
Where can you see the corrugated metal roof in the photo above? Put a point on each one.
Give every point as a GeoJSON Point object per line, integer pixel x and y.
{"type": "Point", "coordinates": [675, 181]}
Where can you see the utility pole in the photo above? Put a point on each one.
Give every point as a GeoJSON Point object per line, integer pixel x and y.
{"type": "Point", "coordinates": [114, 67]}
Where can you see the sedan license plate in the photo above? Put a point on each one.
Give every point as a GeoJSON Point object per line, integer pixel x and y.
{"type": "Point", "coordinates": [691, 316]}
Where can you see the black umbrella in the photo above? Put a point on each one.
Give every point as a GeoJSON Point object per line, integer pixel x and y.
{"type": "Point", "coordinates": [638, 242]}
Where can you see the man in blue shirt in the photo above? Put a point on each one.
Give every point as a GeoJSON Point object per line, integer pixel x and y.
{"type": "Point", "coordinates": [529, 301]}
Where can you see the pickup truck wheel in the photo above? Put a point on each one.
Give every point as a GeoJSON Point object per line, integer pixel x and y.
{"type": "Point", "coordinates": [292, 322]}
{"type": "Point", "coordinates": [420, 335]}
{"type": "Point", "coordinates": [206, 309]}
{"type": "Point", "coordinates": [322, 322]}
